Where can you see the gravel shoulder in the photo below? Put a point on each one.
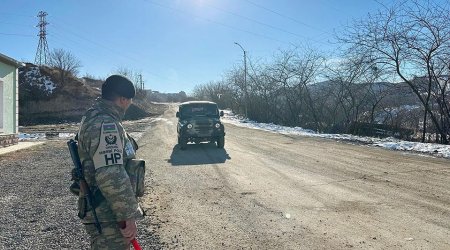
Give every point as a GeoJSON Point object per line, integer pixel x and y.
{"type": "Point", "coordinates": [37, 209]}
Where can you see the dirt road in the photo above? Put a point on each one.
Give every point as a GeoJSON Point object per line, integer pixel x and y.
{"type": "Point", "coordinates": [272, 191]}
{"type": "Point", "coordinates": [263, 191]}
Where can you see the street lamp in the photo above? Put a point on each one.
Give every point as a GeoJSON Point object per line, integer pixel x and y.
{"type": "Point", "coordinates": [245, 77]}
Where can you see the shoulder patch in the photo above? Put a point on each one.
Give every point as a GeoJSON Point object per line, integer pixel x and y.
{"type": "Point", "coordinates": [110, 148]}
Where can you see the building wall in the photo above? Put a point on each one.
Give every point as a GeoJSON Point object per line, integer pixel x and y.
{"type": "Point", "coordinates": [1, 105]}
{"type": "Point", "coordinates": [10, 77]}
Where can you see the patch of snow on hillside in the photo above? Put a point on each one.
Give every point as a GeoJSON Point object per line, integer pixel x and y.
{"type": "Point", "coordinates": [34, 77]}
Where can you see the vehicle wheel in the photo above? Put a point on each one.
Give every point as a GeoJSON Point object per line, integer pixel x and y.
{"type": "Point", "coordinates": [221, 142]}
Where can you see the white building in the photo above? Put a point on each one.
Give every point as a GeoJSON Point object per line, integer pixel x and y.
{"type": "Point", "coordinates": [9, 100]}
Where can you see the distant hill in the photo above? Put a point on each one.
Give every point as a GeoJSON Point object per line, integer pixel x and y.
{"type": "Point", "coordinates": [44, 100]}
{"type": "Point", "coordinates": [168, 97]}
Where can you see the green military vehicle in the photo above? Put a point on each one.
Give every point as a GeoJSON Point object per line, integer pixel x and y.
{"type": "Point", "coordinates": [199, 121]}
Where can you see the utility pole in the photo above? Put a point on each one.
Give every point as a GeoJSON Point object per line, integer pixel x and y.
{"type": "Point", "coordinates": [245, 79]}
{"type": "Point", "coordinates": [42, 49]}
{"type": "Point", "coordinates": [141, 82]}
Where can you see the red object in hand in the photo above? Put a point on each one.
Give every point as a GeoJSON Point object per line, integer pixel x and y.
{"type": "Point", "coordinates": [136, 244]}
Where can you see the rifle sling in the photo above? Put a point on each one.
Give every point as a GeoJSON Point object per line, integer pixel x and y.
{"type": "Point", "coordinates": [97, 199]}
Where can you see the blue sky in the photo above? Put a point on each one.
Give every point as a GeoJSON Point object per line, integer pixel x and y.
{"type": "Point", "coordinates": [175, 44]}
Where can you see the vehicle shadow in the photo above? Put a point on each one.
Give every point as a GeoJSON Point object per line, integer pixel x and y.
{"type": "Point", "coordinates": [198, 154]}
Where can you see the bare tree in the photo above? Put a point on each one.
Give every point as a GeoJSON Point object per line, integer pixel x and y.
{"type": "Point", "coordinates": [279, 91]}
{"type": "Point", "coordinates": [235, 80]}
{"type": "Point", "coordinates": [66, 63]}
{"type": "Point", "coordinates": [264, 95]}
{"type": "Point", "coordinates": [135, 77]}
{"type": "Point", "coordinates": [291, 75]}
{"type": "Point", "coordinates": [306, 68]}
{"type": "Point", "coordinates": [410, 39]}
{"type": "Point", "coordinates": [353, 81]}
{"type": "Point", "coordinates": [218, 92]}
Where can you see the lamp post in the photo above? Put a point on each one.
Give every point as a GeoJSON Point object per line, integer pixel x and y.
{"type": "Point", "coordinates": [245, 78]}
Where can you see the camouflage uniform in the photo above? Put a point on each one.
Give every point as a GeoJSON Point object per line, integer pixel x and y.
{"type": "Point", "coordinates": [104, 150]}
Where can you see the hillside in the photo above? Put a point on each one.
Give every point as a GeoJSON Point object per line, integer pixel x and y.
{"type": "Point", "coordinates": [43, 99]}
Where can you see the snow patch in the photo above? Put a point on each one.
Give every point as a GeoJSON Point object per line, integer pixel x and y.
{"type": "Point", "coordinates": [434, 149]}
{"type": "Point", "coordinates": [34, 77]}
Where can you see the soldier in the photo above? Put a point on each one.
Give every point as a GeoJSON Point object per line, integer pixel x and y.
{"type": "Point", "coordinates": [104, 149]}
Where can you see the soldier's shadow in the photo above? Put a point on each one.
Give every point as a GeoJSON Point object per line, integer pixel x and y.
{"type": "Point", "coordinates": [198, 154]}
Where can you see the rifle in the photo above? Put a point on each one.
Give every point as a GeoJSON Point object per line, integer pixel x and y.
{"type": "Point", "coordinates": [73, 149]}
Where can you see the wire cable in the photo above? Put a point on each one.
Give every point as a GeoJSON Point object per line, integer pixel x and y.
{"type": "Point", "coordinates": [98, 44]}
{"type": "Point", "coordinates": [11, 34]}
{"type": "Point", "coordinates": [287, 17]}
{"type": "Point", "coordinates": [216, 22]}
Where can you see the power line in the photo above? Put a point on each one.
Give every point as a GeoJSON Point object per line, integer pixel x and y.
{"type": "Point", "coordinates": [11, 34]}
{"type": "Point", "coordinates": [75, 45]}
{"type": "Point", "coordinates": [271, 26]}
{"type": "Point", "coordinates": [239, 29]}
{"type": "Point", "coordinates": [285, 16]}
{"type": "Point", "coordinates": [18, 24]}
{"type": "Point", "coordinates": [218, 23]}
{"type": "Point", "coordinates": [62, 37]}
{"type": "Point", "coordinates": [62, 41]}
{"type": "Point", "coordinates": [115, 52]}
{"type": "Point", "coordinates": [255, 21]}
{"type": "Point", "coordinates": [332, 7]}
{"type": "Point", "coordinates": [15, 14]}
{"type": "Point", "coordinates": [96, 43]}
{"type": "Point", "coordinates": [380, 3]}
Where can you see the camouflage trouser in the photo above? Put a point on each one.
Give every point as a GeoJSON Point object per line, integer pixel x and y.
{"type": "Point", "coordinates": [110, 239]}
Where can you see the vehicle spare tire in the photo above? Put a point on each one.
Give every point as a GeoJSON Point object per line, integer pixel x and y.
{"type": "Point", "coordinates": [221, 142]}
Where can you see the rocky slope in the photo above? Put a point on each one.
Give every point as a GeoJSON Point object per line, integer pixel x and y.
{"type": "Point", "coordinates": [44, 99]}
